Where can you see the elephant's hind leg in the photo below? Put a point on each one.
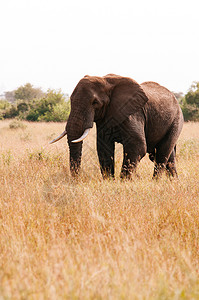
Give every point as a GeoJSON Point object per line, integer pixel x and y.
{"type": "Point", "coordinates": [171, 165]}
{"type": "Point", "coordinates": [165, 154]}
{"type": "Point", "coordinates": [132, 155]}
{"type": "Point", "coordinates": [105, 150]}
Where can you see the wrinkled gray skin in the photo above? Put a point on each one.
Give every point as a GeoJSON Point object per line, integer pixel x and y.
{"type": "Point", "coordinates": [144, 118]}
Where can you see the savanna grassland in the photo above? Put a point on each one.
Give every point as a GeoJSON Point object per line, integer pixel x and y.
{"type": "Point", "coordinates": [94, 239]}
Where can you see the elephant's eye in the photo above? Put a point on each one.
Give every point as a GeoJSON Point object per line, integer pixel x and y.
{"type": "Point", "coordinates": [95, 101]}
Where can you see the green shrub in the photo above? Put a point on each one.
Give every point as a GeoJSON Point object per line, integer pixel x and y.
{"type": "Point", "coordinates": [4, 104]}
{"type": "Point", "coordinates": [52, 107]}
{"type": "Point", "coordinates": [59, 113]}
{"type": "Point", "coordinates": [190, 112]}
{"type": "Point", "coordinates": [11, 112]}
{"type": "Point", "coordinates": [190, 103]}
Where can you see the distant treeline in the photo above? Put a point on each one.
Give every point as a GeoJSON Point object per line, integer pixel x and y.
{"type": "Point", "coordinates": [32, 104]}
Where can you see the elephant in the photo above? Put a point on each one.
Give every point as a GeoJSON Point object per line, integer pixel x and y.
{"type": "Point", "coordinates": [144, 118]}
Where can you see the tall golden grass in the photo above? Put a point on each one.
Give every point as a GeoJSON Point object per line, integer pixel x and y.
{"type": "Point", "coordinates": [95, 239]}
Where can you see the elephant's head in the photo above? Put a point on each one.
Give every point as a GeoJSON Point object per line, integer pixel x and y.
{"type": "Point", "coordinates": [109, 99]}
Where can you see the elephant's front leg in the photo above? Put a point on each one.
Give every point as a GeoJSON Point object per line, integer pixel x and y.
{"type": "Point", "coordinates": [105, 150]}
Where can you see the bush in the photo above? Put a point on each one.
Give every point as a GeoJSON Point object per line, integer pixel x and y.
{"type": "Point", "coordinates": [192, 97]}
{"type": "Point", "coordinates": [190, 112]}
{"type": "Point", "coordinates": [51, 107]}
{"type": "Point", "coordinates": [18, 109]}
{"type": "Point", "coordinates": [11, 112]}
{"type": "Point", "coordinates": [190, 103]}
{"type": "Point", "coordinates": [4, 104]}
{"type": "Point", "coordinates": [59, 113]}
{"type": "Point", "coordinates": [17, 124]}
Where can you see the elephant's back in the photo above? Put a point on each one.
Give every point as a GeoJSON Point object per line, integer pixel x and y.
{"type": "Point", "coordinates": [155, 91]}
{"type": "Point", "coordinates": [161, 101]}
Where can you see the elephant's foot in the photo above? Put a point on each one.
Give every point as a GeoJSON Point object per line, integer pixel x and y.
{"type": "Point", "coordinates": [107, 173]}
{"type": "Point", "coordinates": [169, 168]}
{"type": "Point", "coordinates": [128, 173]}
{"type": "Point", "coordinates": [108, 177]}
{"type": "Point", "coordinates": [158, 170]}
{"type": "Point", "coordinates": [125, 176]}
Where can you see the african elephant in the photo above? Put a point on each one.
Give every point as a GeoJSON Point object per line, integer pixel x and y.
{"type": "Point", "coordinates": [144, 118]}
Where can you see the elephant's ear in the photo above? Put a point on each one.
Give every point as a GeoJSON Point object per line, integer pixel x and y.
{"type": "Point", "coordinates": [126, 98]}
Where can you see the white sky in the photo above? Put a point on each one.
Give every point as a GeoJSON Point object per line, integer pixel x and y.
{"type": "Point", "coordinates": [54, 43]}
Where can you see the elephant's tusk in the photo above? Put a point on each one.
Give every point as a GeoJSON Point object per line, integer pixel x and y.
{"type": "Point", "coordinates": [84, 135]}
{"type": "Point", "coordinates": [59, 137]}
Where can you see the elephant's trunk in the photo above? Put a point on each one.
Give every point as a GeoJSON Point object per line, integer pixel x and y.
{"type": "Point", "coordinates": [75, 157]}
{"type": "Point", "coordinates": [74, 131]}
{"type": "Point", "coordinates": [77, 128]}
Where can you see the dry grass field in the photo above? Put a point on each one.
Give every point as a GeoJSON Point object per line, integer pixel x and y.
{"type": "Point", "coordinates": [95, 239]}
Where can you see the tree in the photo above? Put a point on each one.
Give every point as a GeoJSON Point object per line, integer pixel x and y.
{"type": "Point", "coordinates": [10, 96]}
{"type": "Point", "coordinates": [27, 92]}
{"type": "Point", "coordinates": [190, 103]}
{"type": "Point", "coordinates": [192, 97]}
{"type": "Point", "coordinates": [179, 96]}
{"type": "Point", "coordinates": [11, 112]}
